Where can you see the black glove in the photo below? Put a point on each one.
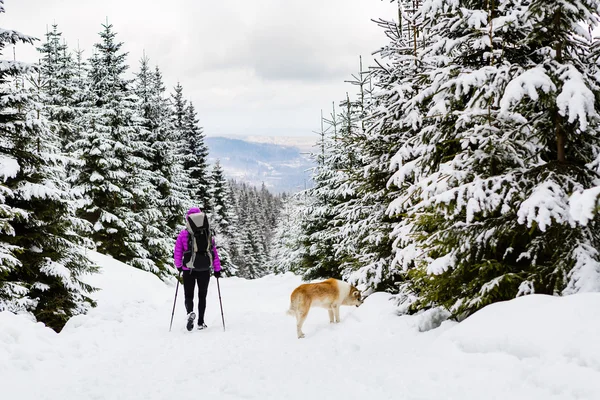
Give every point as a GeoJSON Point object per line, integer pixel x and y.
{"type": "Point", "coordinates": [217, 274]}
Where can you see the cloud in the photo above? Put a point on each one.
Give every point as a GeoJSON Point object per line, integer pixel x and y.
{"type": "Point", "coordinates": [249, 65]}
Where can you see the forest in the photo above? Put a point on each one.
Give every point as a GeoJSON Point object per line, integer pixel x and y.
{"type": "Point", "coordinates": [93, 159]}
{"type": "Point", "coordinates": [462, 168]}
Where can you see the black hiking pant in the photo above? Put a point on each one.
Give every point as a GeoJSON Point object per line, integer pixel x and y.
{"type": "Point", "coordinates": [190, 278]}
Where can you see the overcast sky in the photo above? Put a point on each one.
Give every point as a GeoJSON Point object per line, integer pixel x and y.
{"type": "Point", "coordinates": [251, 67]}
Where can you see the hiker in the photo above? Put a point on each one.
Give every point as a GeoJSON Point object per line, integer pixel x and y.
{"type": "Point", "coordinates": [195, 260]}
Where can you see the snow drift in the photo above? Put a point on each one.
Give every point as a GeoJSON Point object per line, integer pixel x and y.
{"type": "Point", "coordinates": [534, 347]}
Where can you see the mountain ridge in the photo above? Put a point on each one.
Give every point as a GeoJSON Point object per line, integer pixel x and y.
{"type": "Point", "coordinates": [282, 168]}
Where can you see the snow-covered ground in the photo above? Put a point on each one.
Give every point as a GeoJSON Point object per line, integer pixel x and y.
{"type": "Point", "coordinates": [535, 347]}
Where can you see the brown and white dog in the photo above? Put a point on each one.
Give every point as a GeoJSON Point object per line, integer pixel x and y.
{"type": "Point", "coordinates": [329, 294]}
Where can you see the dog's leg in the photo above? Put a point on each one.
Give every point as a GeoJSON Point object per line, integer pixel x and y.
{"type": "Point", "coordinates": [330, 310]}
{"type": "Point", "coordinates": [336, 311]}
{"type": "Point", "coordinates": [300, 317]}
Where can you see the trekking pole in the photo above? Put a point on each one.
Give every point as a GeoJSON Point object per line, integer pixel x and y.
{"type": "Point", "coordinates": [175, 301]}
{"type": "Point", "coordinates": [221, 304]}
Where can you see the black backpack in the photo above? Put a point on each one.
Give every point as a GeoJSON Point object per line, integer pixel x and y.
{"type": "Point", "coordinates": [199, 254]}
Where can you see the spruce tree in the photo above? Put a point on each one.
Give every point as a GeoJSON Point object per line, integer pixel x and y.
{"type": "Point", "coordinates": [321, 261]}
{"type": "Point", "coordinates": [57, 85]}
{"type": "Point", "coordinates": [185, 184]}
{"type": "Point", "coordinates": [253, 229]}
{"type": "Point", "coordinates": [504, 138]}
{"type": "Point", "coordinates": [223, 219]}
{"type": "Point", "coordinates": [113, 176]}
{"type": "Point", "coordinates": [195, 158]}
{"type": "Point", "coordinates": [167, 163]}
{"type": "Point", "coordinates": [40, 265]}
{"type": "Point", "coordinates": [383, 93]}
{"type": "Point", "coordinates": [153, 180]}
{"type": "Point", "coordinates": [288, 237]}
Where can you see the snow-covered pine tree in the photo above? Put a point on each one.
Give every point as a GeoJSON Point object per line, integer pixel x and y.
{"type": "Point", "coordinates": [254, 228]}
{"type": "Point", "coordinates": [114, 175]}
{"type": "Point", "coordinates": [153, 152]}
{"type": "Point", "coordinates": [506, 110]}
{"type": "Point", "coordinates": [346, 161]}
{"type": "Point", "coordinates": [321, 261]}
{"type": "Point", "coordinates": [223, 219]}
{"type": "Point", "coordinates": [385, 130]}
{"type": "Point", "coordinates": [175, 199]}
{"type": "Point", "coordinates": [287, 250]}
{"type": "Point", "coordinates": [58, 84]}
{"type": "Point", "coordinates": [183, 180]}
{"type": "Point", "coordinates": [179, 104]}
{"type": "Point", "coordinates": [79, 106]}
{"type": "Point", "coordinates": [247, 260]}
{"type": "Point", "coordinates": [195, 159]}
{"type": "Point", "coordinates": [40, 265]}
{"type": "Point", "coordinates": [268, 211]}
{"type": "Point", "coordinates": [80, 82]}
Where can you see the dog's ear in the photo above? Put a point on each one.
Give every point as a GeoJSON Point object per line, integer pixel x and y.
{"type": "Point", "coordinates": [356, 294]}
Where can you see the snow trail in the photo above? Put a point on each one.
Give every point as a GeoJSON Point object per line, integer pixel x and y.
{"type": "Point", "coordinates": [123, 350]}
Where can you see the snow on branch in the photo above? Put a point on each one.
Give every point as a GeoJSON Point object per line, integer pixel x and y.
{"type": "Point", "coordinates": [14, 37]}
{"type": "Point", "coordinates": [9, 168]}
{"type": "Point", "coordinates": [583, 205]}
{"type": "Point", "coordinates": [585, 275]}
{"type": "Point", "coordinates": [547, 203]}
{"type": "Point", "coordinates": [576, 98]}
{"type": "Point", "coordinates": [526, 84]}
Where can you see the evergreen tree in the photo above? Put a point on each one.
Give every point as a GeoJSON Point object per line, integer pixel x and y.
{"type": "Point", "coordinates": [287, 250]}
{"type": "Point", "coordinates": [155, 153]}
{"type": "Point", "coordinates": [253, 229]}
{"type": "Point", "coordinates": [382, 132]}
{"type": "Point", "coordinates": [320, 261]}
{"type": "Point", "coordinates": [183, 180]}
{"type": "Point", "coordinates": [57, 85]}
{"type": "Point", "coordinates": [167, 163]}
{"type": "Point", "coordinates": [61, 92]}
{"type": "Point", "coordinates": [40, 265]}
{"type": "Point", "coordinates": [504, 138]}
{"type": "Point", "coordinates": [179, 104]}
{"type": "Point", "coordinates": [223, 219]}
{"type": "Point", "coordinates": [195, 159]}
{"type": "Point", "coordinates": [114, 175]}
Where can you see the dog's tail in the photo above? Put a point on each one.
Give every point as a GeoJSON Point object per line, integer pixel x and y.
{"type": "Point", "coordinates": [291, 311]}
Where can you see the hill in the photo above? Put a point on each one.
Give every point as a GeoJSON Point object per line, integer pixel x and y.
{"type": "Point", "coordinates": [282, 168]}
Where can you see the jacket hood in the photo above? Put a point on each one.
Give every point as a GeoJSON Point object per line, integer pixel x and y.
{"type": "Point", "coordinates": [194, 210]}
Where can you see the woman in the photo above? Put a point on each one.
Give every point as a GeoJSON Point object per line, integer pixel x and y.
{"type": "Point", "coordinates": [200, 276]}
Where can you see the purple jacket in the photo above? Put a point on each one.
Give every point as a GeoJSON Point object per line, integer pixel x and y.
{"type": "Point", "coordinates": [182, 243]}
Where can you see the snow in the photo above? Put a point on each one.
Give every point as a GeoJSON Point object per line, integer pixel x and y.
{"type": "Point", "coordinates": [576, 99]}
{"type": "Point", "coordinates": [533, 347]}
{"type": "Point", "coordinates": [547, 203]}
{"type": "Point", "coordinates": [441, 265]}
{"type": "Point", "coordinates": [526, 84]}
{"type": "Point", "coordinates": [582, 204]}
{"type": "Point", "coordinates": [9, 168]}
{"type": "Point", "coordinates": [536, 328]}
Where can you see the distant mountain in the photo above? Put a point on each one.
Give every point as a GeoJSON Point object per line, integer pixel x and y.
{"type": "Point", "coordinates": [281, 168]}
{"type": "Point", "coordinates": [305, 144]}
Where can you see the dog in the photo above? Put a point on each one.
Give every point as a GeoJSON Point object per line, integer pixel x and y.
{"type": "Point", "coordinates": [329, 294]}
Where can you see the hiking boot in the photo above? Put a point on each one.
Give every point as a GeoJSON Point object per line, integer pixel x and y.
{"type": "Point", "coordinates": [190, 322]}
{"type": "Point", "coordinates": [202, 326]}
